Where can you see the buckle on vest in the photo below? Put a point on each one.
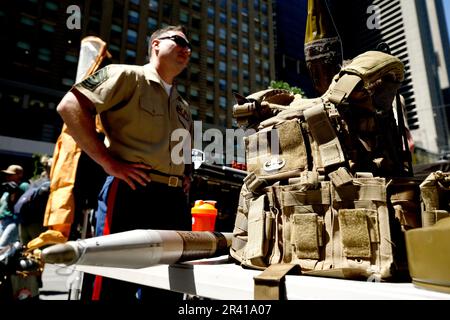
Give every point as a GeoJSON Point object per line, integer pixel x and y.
{"type": "Point", "coordinates": [173, 181]}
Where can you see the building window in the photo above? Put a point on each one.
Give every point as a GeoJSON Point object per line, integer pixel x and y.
{"type": "Point", "coordinates": [223, 120]}
{"type": "Point", "coordinates": [222, 67]}
{"type": "Point", "coordinates": [194, 92]}
{"type": "Point", "coordinates": [184, 16]}
{"type": "Point", "coordinates": [114, 48]}
{"type": "Point", "coordinates": [167, 10]}
{"type": "Point", "coordinates": [234, 87]}
{"type": "Point", "coordinates": [67, 82]}
{"type": "Point", "coordinates": [71, 58]}
{"type": "Point", "coordinates": [152, 23]}
{"type": "Point", "coordinates": [264, 8]}
{"type": "Point", "coordinates": [223, 102]}
{"type": "Point", "coordinates": [234, 72]}
{"type": "Point", "coordinates": [245, 43]}
{"type": "Point", "coordinates": [210, 78]}
{"type": "Point", "coordinates": [245, 27]}
{"type": "Point", "coordinates": [210, 45]}
{"type": "Point", "coordinates": [211, 12]}
{"type": "Point", "coordinates": [195, 37]}
{"type": "Point", "coordinates": [196, 5]}
{"type": "Point", "coordinates": [153, 5]}
{"type": "Point", "coordinates": [234, 22]}
{"type": "Point", "coordinates": [195, 56]}
{"type": "Point", "coordinates": [223, 18]}
{"type": "Point", "coordinates": [23, 45]}
{"type": "Point", "coordinates": [222, 50]}
{"type": "Point", "coordinates": [209, 97]}
{"type": "Point", "coordinates": [210, 29]}
{"type": "Point", "coordinates": [209, 117]}
{"type": "Point", "coordinates": [132, 36]}
{"type": "Point", "coordinates": [136, 2]}
{"type": "Point", "coordinates": [51, 6]}
{"type": "Point", "coordinates": [210, 61]}
{"type": "Point", "coordinates": [196, 22]}
{"type": "Point", "coordinates": [181, 88]}
{"type": "Point", "coordinates": [133, 17]}
{"type": "Point", "coordinates": [245, 74]}
{"type": "Point", "coordinates": [131, 53]}
{"type": "Point", "coordinates": [27, 21]}
{"type": "Point", "coordinates": [245, 58]}
{"type": "Point", "coordinates": [44, 54]}
{"type": "Point", "coordinates": [48, 28]}
{"type": "Point", "coordinates": [223, 84]}
{"type": "Point", "coordinates": [222, 33]}
{"type": "Point", "coordinates": [256, 5]}
{"type": "Point", "coordinates": [234, 38]}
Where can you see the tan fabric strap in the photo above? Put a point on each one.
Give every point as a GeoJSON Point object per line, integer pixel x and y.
{"type": "Point", "coordinates": [270, 284]}
{"type": "Point", "coordinates": [252, 182]}
{"type": "Point", "coordinates": [430, 217]}
{"type": "Point", "coordinates": [362, 192]}
{"type": "Point", "coordinates": [340, 177]}
{"type": "Point", "coordinates": [321, 129]}
{"type": "Point", "coordinates": [256, 219]}
{"type": "Point", "coordinates": [343, 88]}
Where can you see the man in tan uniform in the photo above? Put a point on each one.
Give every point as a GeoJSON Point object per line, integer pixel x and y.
{"type": "Point", "coordinates": [139, 109]}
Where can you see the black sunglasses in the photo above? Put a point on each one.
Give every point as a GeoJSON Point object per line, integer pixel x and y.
{"type": "Point", "coordinates": [179, 41]}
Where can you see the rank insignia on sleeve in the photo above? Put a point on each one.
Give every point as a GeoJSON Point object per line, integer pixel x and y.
{"type": "Point", "coordinates": [95, 80]}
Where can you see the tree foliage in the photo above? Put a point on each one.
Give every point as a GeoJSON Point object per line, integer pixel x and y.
{"type": "Point", "coordinates": [286, 86]}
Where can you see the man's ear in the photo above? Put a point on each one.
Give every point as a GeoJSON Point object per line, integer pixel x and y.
{"type": "Point", "coordinates": [155, 44]}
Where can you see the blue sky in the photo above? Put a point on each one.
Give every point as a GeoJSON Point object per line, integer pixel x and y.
{"type": "Point", "coordinates": [447, 13]}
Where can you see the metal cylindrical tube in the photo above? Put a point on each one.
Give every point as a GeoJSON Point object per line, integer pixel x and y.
{"type": "Point", "coordinates": [139, 248]}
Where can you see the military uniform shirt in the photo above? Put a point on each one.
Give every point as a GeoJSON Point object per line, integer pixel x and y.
{"type": "Point", "coordinates": [137, 114]}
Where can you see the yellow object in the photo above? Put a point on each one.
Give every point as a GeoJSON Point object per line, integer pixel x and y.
{"type": "Point", "coordinates": [428, 252]}
{"type": "Point", "coordinates": [59, 212]}
{"type": "Point", "coordinates": [46, 238]}
{"type": "Point", "coordinates": [323, 52]}
{"type": "Point", "coordinates": [204, 215]}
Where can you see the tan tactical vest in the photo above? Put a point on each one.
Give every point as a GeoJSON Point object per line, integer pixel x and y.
{"type": "Point", "coordinates": [320, 188]}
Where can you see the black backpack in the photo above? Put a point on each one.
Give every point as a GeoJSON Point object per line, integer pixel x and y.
{"type": "Point", "coordinates": [30, 208]}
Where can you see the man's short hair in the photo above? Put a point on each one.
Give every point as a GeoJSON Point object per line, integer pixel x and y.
{"type": "Point", "coordinates": [160, 32]}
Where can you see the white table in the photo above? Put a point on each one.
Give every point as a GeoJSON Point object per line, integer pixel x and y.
{"type": "Point", "coordinates": [218, 278]}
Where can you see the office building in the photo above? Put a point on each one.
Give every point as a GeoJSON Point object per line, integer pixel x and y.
{"type": "Point", "coordinates": [232, 52]}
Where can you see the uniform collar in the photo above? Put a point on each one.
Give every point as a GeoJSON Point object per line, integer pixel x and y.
{"type": "Point", "coordinates": [151, 74]}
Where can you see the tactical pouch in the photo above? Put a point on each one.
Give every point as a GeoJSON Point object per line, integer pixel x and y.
{"type": "Point", "coordinates": [435, 195]}
{"type": "Point", "coordinates": [331, 231]}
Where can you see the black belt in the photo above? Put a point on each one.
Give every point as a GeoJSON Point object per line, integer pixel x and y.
{"type": "Point", "coordinates": [171, 181]}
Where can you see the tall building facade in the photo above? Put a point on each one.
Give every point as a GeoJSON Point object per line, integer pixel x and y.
{"type": "Point", "coordinates": [232, 52]}
{"type": "Point", "coordinates": [289, 19]}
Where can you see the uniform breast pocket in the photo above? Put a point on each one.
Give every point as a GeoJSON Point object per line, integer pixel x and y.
{"type": "Point", "coordinates": [152, 108]}
{"type": "Point", "coordinates": [152, 123]}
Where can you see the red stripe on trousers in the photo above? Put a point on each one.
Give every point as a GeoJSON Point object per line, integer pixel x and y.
{"type": "Point", "coordinates": [106, 230]}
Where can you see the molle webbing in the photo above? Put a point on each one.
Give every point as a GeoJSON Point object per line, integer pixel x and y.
{"type": "Point", "coordinates": [321, 129]}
